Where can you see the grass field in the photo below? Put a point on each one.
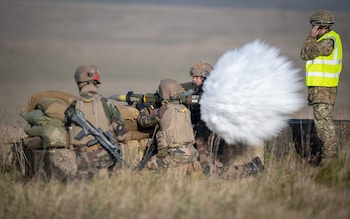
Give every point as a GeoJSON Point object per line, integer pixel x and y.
{"type": "Point", "coordinates": [289, 188]}
{"type": "Point", "coordinates": [135, 46]}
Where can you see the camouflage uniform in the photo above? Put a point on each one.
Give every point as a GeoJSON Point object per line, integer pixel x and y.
{"type": "Point", "coordinates": [100, 113]}
{"type": "Point", "coordinates": [175, 137]}
{"type": "Point", "coordinates": [211, 148]}
{"type": "Point", "coordinates": [322, 98]}
{"type": "Point", "coordinates": [202, 133]}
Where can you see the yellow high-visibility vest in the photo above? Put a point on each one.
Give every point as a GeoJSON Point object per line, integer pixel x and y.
{"type": "Point", "coordinates": [325, 71]}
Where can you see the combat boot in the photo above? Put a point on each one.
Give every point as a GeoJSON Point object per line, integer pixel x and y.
{"type": "Point", "coordinates": [254, 167]}
{"type": "Point", "coordinates": [248, 169]}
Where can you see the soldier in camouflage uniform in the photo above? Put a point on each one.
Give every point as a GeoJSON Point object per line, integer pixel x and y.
{"type": "Point", "coordinates": [100, 113]}
{"type": "Point", "coordinates": [211, 156]}
{"type": "Point", "coordinates": [322, 52]}
{"type": "Point", "coordinates": [199, 72]}
{"type": "Point", "coordinates": [175, 137]}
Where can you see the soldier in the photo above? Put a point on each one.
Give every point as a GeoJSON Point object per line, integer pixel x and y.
{"type": "Point", "coordinates": [322, 52]}
{"type": "Point", "coordinates": [211, 157]}
{"type": "Point", "coordinates": [100, 113]}
{"type": "Point", "coordinates": [175, 137]}
{"type": "Point", "coordinates": [199, 72]}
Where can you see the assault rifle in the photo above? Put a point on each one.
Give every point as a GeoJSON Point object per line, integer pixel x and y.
{"type": "Point", "coordinates": [150, 151]}
{"type": "Point", "coordinates": [105, 139]}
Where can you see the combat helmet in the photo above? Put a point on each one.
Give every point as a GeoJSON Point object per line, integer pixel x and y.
{"type": "Point", "coordinates": [88, 74]}
{"type": "Point", "coordinates": [322, 18]}
{"type": "Point", "coordinates": [169, 89]}
{"type": "Point", "coordinates": [201, 69]}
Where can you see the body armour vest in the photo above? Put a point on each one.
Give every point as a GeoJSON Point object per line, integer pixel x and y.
{"type": "Point", "coordinates": [176, 123]}
{"type": "Point", "coordinates": [94, 112]}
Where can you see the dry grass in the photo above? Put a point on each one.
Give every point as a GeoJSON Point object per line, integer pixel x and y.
{"type": "Point", "coordinates": [289, 187]}
{"type": "Point", "coordinates": [41, 44]}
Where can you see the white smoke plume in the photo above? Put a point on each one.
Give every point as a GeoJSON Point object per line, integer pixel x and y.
{"type": "Point", "coordinates": [250, 94]}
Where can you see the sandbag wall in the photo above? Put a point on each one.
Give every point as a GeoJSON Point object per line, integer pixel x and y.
{"type": "Point", "coordinates": [46, 150]}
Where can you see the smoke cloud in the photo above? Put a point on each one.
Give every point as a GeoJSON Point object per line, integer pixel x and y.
{"type": "Point", "coordinates": [250, 94]}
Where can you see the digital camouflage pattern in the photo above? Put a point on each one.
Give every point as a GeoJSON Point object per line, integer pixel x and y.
{"type": "Point", "coordinates": [101, 114]}
{"type": "Point", "coordinates": [325, 128]}
{"type": "Point", "coordinates": [175, 136]}
{"type": "Point", "coordinates": [90, 163]}
{"type": "Point", "coordinates": [322, 17]}
{"type": "Point", "coordinates": [177, 156]}
{"type": "Point", "coordinates": [312, 49]}
{"type": "Point", "coordinates": [322, 99]}
{"type": "Point", "coordinates": [201, 69]}
{"type": "Point", "coordinates": [325, 95]}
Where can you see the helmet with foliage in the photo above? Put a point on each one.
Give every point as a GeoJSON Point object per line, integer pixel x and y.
{"type": "Point", "coordinates": [88, 74]}
{"type": "Point", "coordinates": [201, 69]}
{"type": "Point", "coordinates": [169, 89]}
{"type": "Point", "coordinates": [322, 18]}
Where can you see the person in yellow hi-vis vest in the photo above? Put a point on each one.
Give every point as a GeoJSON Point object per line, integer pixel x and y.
{"type": "Point", "coordinates": [322, 52]}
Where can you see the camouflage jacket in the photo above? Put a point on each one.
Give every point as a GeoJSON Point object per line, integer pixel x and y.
{"type": "Point", "coordinates": [312, 49]}
{"type": "Point", "coordinates": [110, 111]}
{"type": "Point", "coordinates": [175, 125]}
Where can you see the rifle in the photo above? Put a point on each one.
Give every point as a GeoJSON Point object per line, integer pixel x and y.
{"type": "Point", "coordinates": [151, 150]}
{"type": "Point", "coordinates": [105, 139]}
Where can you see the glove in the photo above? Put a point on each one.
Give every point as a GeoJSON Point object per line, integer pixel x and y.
{"type": "Point", "coordinates": [163, 152]}
{"type": "Point", "coordinates": [140, 106]}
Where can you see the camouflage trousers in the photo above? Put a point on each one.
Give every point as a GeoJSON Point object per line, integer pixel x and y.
{"type": "Point", "coordinates": [209, 156]}
{"type": "Point", "coordinates": [325, 128]}
{"type": "Point", "coordinates": [183, 156]}
{"type": "Point", "coordinates": [91, 163]}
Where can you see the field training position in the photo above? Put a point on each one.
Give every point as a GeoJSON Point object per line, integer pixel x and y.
{"type": "Point", "coordinates": [247, 103]}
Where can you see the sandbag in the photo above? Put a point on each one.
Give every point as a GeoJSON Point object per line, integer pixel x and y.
{"type": "Point", "coordinates": [37, 118]}
{"type": "Point", "coordinates": [52, 136]}
{"type": "Point", "coordinates": [136, 135]}
{"type": "Point", "coordinates": [66, 97]}
{"type": "Point", "coordinates": [129, 114]}
{"type": "Point", "coordinates": [52, 107]}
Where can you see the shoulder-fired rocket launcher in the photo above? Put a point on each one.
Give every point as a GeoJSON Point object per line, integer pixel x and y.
{"type": "Point", "coordinates": [153, 98]}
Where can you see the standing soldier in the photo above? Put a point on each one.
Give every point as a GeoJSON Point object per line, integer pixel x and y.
{"type": "Point", "coordinates": [175, 136]}
{"type": "Point", "coordinates": [322, 52]}
{"type": "Point", "coordinates": [97, 110]}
